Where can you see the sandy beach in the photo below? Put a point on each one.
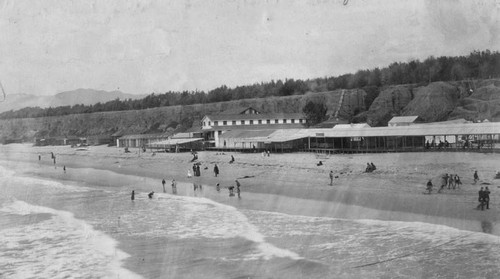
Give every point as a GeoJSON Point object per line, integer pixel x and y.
{"type": "Point", "coordinates": [393, 190]}
{"type": "Point", "coordinates": [283, 183]}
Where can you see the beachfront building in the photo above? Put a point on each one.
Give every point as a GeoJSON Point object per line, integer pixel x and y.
{"type": "Point", "coordinates": [139, 140]}
{"type": "Point", "coordinates": [245, 119]}
{"type": "Point", "coordinates": [461, 136]}
{"type": "Point", "coordinates": [404, 121]}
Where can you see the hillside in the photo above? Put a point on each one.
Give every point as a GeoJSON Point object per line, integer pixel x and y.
{"type": "Point", "coordinates": [437, 101]}
{"type": "Point", "coordinates": [67, 98]}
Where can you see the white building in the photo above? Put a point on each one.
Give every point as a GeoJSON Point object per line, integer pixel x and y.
{"type": "Point", "coordinates": [248, 119]}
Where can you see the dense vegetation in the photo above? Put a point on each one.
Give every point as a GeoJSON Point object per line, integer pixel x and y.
{"type": "Point", "coordinates": [477, 65]}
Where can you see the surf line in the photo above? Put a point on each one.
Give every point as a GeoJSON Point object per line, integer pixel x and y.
{"type": "Point", "coordinates": [412, 253]}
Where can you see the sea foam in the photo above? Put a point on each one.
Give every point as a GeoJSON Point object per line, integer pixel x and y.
{"type": "Point", "coordinates": [60, 247]}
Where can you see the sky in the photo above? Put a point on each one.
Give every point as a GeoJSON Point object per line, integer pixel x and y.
{"type": "Point", "coordinates": [145, 46]}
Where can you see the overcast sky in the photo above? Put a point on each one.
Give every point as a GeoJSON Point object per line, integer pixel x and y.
{"type": "Point", "coordinates": [144, 46]}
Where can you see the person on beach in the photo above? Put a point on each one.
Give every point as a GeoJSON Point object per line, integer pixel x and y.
{"type": "Point", "coordinates": [64, 169]}
{"type": "Point", "coordinates": [189, 174]}
{"type": "Point", "coordinates": [232, 159]}
{"type": "Point", "coordinates": [195, 186]}
{"type": "Point", "coordinates": [231, 190]}
{"type": "Point", "coordinates": [373, 166]}
{"type": "Point", "coordinates": [150, 195]}
{"type": "Point", "coordinates": [132, 196]}
{"type": "Point", "coordinates": [450, 181]}
{"type": "Point", "coordinates": [319, 164]}
{"type": "Point", "coordinates": [198, 171]}
{"type": "Point", "coordinates": [216, 170]}
{"type": "Point", "coordinates": [174, 186]}
{"type": "Point", "coordinates": [331, 178]}
{"type": "Point", "coordinates": [194, 170]}
{"type": "Point", "coordinates": [39, 157]}
{"type": "Point", "coordinates": [429, 186]}
{"type": "Point", "coordinates": [238, 192]}
{"type": "Point", "coordinates": [457, 181]}
{"type": "Point", "coordinates": [163, 184]}
{"type": "Point", "coordinates": [217, 187]}
{"type": "Point", "coordinates": [480, 199]}
{"type": "Point", "coordinates": [476, 177]}
{"type": "Point", "coordinates": [444, 182]}
{"type": "Point", "coordinates": [486, 197]}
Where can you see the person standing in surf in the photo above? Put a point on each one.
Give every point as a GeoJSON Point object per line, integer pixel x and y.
{"type": "Point", "coordinates": [132, 196]}
{"type": "Point", "coordinates": [476, 177]}
{"type": "Point", "coordinates": [163, 183]}
{"type": "Point", "coordinates": [174, 187]}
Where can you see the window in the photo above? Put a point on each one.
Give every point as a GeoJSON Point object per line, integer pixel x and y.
{"type": "Point", "coordinates": [276, 121]}
{"type": "Point", "coordinates": [216, 123]}
{"type": "Point", "coordinates": [204, 124]}
{"type": "Point", "coordinates": [209, 124]}
{"type": "Point", "coordinates": [251, 122]}
{"type": "Point", "coordinates": [284, 121]}
{"type": "Point", "coordinates": [260, 121]}
{"type": "Point", "coordinates": [242, 122]}
{"type": "Point", "coordinates": [224, 122]}
{"type": "Point", "coordinates": [268, 121]}
{"type": "Point", "coordinates": [234, 122]}
{"type": "Point", "coordinates": [293, 120]}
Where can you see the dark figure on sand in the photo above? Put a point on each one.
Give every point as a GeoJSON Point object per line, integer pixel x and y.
{"type": "Point", "coordinates": [150, 195]}
{"type": "Point", "coordinates": [476, 177]}
{"type": "Point", "coordinates": [319, 164]}
{"type": "Point", "coordinates": [132, 196]}
{"type": "Point", "coordinates": [163, 184]}
{"type": "Point", "coordinates": [486, 197]}
{"type": "Point", "coordinates": [217, 187]}
{"type": "Point", "coordinates": [238, 185]}
{"type": "Point", "coordinates": [216, 170]}
{"type": "Point", "coordinates": [39, 157]}
{"type": "Point", "coordinates": [174, 186]}
{"type": "Point", "coordinates": [444, 182]}
{"type": "Point", "coordinates": [64, 169]}
{"type": "Point", "coordinates": [331, 178]}
{"type": "Point", "coordinates": [480, 199]}
{"type": "Point", "coordinates": [232, 159]}
{"type": "Point", "coordinates": [370, 167]}
{"type": "Point", "coordinates": [429, 187]}
{"type": "Point", "coordinates": [231, 191]}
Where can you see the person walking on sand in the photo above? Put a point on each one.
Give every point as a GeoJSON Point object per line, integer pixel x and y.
{"type": "Point", "coordinates": [429, 186]}
{"type": "Point", "coordinates": [217, 187]}
{"type": "Point", "coordinates": [457, 181]}
{"type": "Point", "coordinates": [331, 178]}
{"type": "Point", "coordinates": [476, 177]}
{"type": "Point", "coordinates": [480, 199]}
{"type": "Point", "coordinates": [232, 159]}
{"type": "Point", "coordinates": [486, 197]}
{"type": "Point", "coordinates": [238, 185]}
{"type": "Point", "coordinates": [174, 186]}
{"type": "Point", "coordinates": [132, 196]}
{"type": "Point", "coordinates": [64, 169]}
{"type": "Point", "coordinates": [163, 184]}
{"type": "Point", "coordinates": [216, 170]}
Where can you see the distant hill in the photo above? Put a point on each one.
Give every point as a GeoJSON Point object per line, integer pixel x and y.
{"type": "Point", "coordinates": [67, 98]}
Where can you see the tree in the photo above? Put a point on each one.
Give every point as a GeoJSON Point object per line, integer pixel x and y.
{"type": "Point", "coordinates": [315, 113]}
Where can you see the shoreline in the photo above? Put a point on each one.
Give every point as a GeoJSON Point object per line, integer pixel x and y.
{"type": "Point", "coordinates": [299, 185]}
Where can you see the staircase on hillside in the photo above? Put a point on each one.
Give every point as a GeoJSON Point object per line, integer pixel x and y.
{"type": "Point", "coordinates": [339, 106]}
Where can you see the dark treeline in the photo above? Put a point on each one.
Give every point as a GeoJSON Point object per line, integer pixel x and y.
{"type": "Point", "coordinates": [476, 65]}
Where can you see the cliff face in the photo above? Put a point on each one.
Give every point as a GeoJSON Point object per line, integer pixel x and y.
{"type": "Point", "coordinates": [434, 102]}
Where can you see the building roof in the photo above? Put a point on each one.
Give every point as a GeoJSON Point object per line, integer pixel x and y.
{"type": "Point", "coordinates": [351, 126]}
{"type": "Point", "coordinates": [170, 142]}
{"type": "Point", "coordinates": [403, 119]}
{"type": "Point", "coordinates": [239, 110]}
{"type": "Point", "coordinates": [255, 127]}
{"type": "Point", "coordinates": [261, 116]}
{"type": "Point", "coordinates": [144, 136]}
{"type": "Point", "coordinates": [283, 135]}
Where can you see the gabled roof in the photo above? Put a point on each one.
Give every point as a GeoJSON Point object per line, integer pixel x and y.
{"type": "Point", "coordinates": [404, 119]}
{"type": "Point", "coordinates": [239, 110]}
{"type": "Point", "coordinates": [351, 126]}
{"type": "Point", "coordinates": [254, 127]}
{"type": "Point", "coordinates": [262, 116]}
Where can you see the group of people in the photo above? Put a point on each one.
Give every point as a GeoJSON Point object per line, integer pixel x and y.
{"type": "Point", "coordinates": [370, 167]}
{"type": "Point", "coordinates": [449, 181]}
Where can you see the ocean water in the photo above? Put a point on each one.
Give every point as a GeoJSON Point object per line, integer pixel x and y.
{"type": "Point", "coordinates": [52, 228]}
